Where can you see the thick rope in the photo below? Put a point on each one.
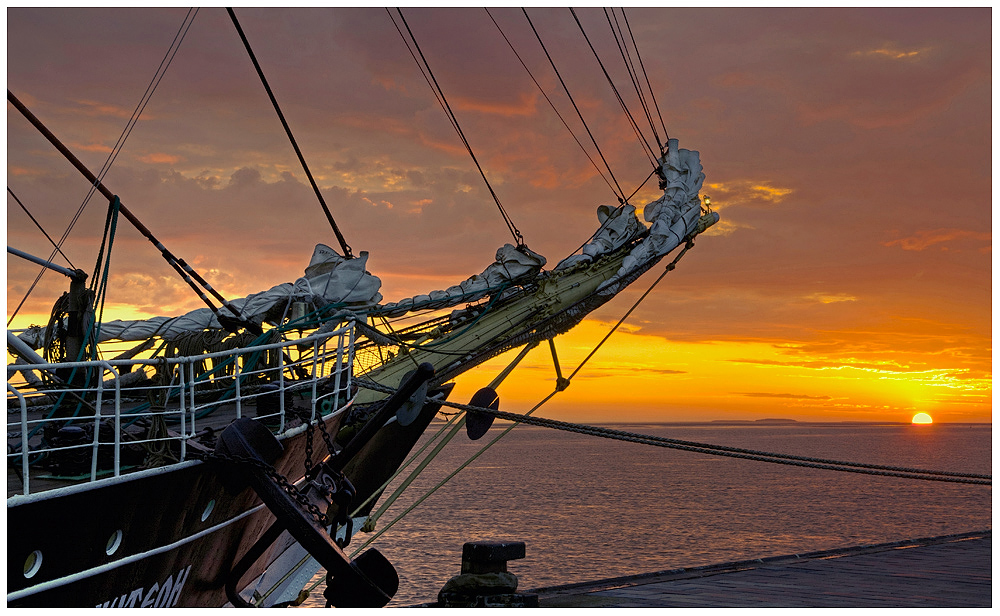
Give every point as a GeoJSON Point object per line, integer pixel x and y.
{"type": "Point", "coordinates": [719, 450]}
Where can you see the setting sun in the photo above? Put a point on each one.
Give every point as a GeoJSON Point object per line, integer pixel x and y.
{"type": "Point", "coordinates": [922, 418]}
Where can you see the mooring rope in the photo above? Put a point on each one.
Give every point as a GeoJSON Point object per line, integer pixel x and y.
{"type": "Point", "coordinates": [720, 450]}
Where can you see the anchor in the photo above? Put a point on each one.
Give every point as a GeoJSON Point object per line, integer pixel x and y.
{"type": "Point", "coordinates": [251, 449]}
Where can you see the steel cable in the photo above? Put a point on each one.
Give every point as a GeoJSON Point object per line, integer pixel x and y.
{"type": "Point", "coordinates": [518, 238]}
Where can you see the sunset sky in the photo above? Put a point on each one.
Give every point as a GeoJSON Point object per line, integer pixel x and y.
{"type": "Point", "coordinates": [848, 152]}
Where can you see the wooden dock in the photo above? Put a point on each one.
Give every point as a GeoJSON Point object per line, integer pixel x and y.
{"type": "Point", "coordinates": [948, 571]}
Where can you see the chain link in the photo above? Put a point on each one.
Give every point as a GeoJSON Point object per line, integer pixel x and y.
{"type": "Point", "coordinates": [280, 480]}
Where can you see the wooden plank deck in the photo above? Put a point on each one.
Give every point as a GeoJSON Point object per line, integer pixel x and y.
{"type": "Point", "coordinates": [949, 571]}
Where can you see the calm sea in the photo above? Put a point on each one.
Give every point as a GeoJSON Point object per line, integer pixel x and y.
{"type": "Point", "coordinates": [590, 508]}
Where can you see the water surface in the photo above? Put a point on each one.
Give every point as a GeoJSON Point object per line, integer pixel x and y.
{"type": "Point", "coordinates": [590, 508]}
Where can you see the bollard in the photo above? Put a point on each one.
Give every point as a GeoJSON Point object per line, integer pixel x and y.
{"type": "Point", "coordinates": [484, 580]}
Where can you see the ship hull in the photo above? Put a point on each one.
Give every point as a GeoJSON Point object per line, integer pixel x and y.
{"type": "Point", "coordinates": [164, 538]}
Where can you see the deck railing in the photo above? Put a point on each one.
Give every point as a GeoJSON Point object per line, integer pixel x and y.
{"type": "Point", "coordinates": [93, 419]}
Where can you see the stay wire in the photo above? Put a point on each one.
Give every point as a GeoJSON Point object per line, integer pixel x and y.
{"type": "Point", "coordinates": [37, 224]}
{"type": "Point", "coordinates": [621, 101]}
{"type": "Point", "coordinates": [140, 107]}
{"type": "Point", "coordinates": [463, 407]}
{"type": "Point", "coordinates": [609, 220]}
{"type": "Point", "coordinates": [551, 104]}
{"type": "Point", "coordinates": [652, 95]}
{"type": "Point", "coordinates": [669, 268]}
{"type": "Point", "coordinates": [288, 131]}
{"type": "Point", "coordinates": [518, 238]}
{"type": "Point", "coordinates": [616, 30]}
{"type": "Point", "coordinates": [621, 193]}
{"type": "Point", "coordinates": [423, 71]}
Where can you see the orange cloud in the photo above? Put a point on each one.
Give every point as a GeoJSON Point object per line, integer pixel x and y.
{"type": "Point", "coordinates": [524, 107]}
{"type": "Point", "coordinates": [387, 204]}
{"type": "Point", "coordinates": [890, 52]}
{"type": "Point", "coordinates": [925, 239]}
{"type": "Point", "coordinates": [94, 108]}
{"type": "Point", "coordinates": [746, 192]}
{"type": "Point", "coordinates": [157, 158]}
{"type": "Point", "coordinates": [22, 171]}
{"type": "Point", "coordinates": [831, 298]}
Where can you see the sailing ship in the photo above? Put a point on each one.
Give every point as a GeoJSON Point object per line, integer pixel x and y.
{"type": "Point", "coordinates": [221, 457]}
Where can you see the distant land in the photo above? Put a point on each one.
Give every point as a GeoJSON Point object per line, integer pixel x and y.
{"type": "Point", "coordinates": [755, 421]}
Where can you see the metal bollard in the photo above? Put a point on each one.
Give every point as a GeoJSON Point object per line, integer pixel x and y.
{"type": "Point", "coordinates": [485, 581]}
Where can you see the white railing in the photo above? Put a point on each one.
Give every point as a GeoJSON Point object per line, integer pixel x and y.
{"type": "Point", "coordinates": [142, 413]}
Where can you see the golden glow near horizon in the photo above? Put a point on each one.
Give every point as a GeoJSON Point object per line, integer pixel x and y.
{"type": "Point", "coordinates": [640, 377]}
{"type": "Point", "coordinates": [637, 377]}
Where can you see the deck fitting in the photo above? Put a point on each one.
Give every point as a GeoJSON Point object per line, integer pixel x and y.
{"type": "Point", "coordinates": [484, 580]}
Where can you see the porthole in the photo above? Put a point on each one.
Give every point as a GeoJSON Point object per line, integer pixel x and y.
{"type": "Point", "coordinates": [32, 564]}
{"type": "Point", "coordinates": [208, 510]}
{"type": "Point", "coordinates": [114, 541]}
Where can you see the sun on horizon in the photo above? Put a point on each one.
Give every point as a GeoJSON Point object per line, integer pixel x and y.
{"type": "Point", "coordinates": [922, 418]}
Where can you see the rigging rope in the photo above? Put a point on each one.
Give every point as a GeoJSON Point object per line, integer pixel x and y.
{"type": "Point", "coordinates": [628, 114]}
{"type": "Point", "coordinates": [439, 93]}
{"type": "Point", "coordinates": [666, 135]}
{"type": "Point", "coordinates": [47, 236]}
{"type": "Point", "coordinates": [288, 131]}
{"type": "Point", "coordinates": [735, 452]}
{"type": "Point", "coordinates": [116, 149]}
{"type": "Point", "coordinates": [551, 104]}
{"type": "Point", "coordinates": [630, 67]}
{"type": "Point", "coordinates": [102, 275]}
{"type": "Point", "coordinates": [720, 450]}
{"type": "Point", "coordinates": [620, 194]}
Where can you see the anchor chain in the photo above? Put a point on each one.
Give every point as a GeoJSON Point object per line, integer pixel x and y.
{"type": "Point", "coordinates": [279, 479]}
{"type": "Point", "coordinates": [331, 485]}
{"type": "Point", "coordinates": [310, 470]}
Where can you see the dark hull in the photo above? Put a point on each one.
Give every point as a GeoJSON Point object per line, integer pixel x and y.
{"type": "Point", "coordinates": [169, 556]}
{"type": "Point", "coordinates": [165, 543]}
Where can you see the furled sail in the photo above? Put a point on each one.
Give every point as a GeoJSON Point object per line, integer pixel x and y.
{"type": "Point", "coordinates": [512, 264]}
{"type": "Point", "coordinates": [674, 216]}
{"type": "Point", "coordinates": [329, 278]}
